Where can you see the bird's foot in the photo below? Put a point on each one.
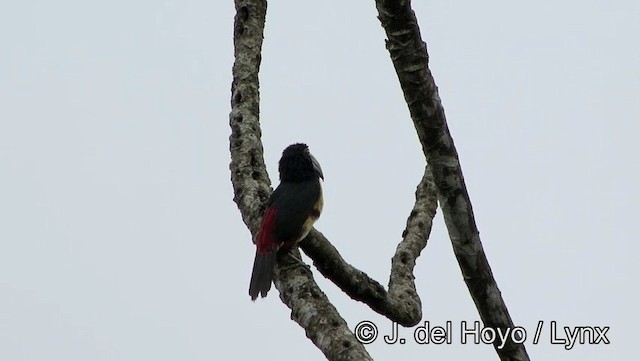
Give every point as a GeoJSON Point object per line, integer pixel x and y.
{"type": "Point", "coordinates": [297, 263]}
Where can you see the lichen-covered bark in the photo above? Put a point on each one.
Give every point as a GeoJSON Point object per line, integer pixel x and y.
{"type": "Point", "coordinates": [311, 309]}
{"type": "Point", "coordinates": [251, 185]}
{"type": "Point", "coordinates": [401, 303]}
{"type": "Point", "coordinates": [309, 306]}
{"type": "Point", "coordinates": [410, 59]}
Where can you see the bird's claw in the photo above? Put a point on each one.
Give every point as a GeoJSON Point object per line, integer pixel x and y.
{"type": "Point", "coordinates": [297, 263]}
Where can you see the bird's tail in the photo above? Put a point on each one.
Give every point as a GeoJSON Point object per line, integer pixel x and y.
{"type": "Point", "coordinates": [262, 273]}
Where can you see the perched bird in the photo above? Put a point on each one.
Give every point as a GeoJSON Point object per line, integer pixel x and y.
{"type": "Point", "coordinates": [291, 211]}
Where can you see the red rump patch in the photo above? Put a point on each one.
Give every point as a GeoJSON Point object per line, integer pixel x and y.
{"type": "Point", "coordinates": [265, 242]}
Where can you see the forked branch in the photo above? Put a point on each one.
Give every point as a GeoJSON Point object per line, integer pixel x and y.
{"type": "Point", "coordinates": [310, 307]}
{"type": "Point", "coordinates": [410, 60]}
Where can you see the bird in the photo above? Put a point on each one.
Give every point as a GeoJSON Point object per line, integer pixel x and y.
{"type": "Point", "coordinates": [291, 210]}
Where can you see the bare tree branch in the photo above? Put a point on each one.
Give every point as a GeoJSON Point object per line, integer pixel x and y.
{"type": "Point", "coordinates": [311, 309]}
{"type": "Point", "coordinates": [410, 59]}
{"type": "Point", "coordinates": [401, 304]}
{"type": "Point", "coordinates": [251, 185]}
{"type": "Point", "coordinates": [309, 306]}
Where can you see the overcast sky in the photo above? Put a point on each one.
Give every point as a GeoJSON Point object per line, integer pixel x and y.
{"type": "Point", "coordinates": [119, 239]}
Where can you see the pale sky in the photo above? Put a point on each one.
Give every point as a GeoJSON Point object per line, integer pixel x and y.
{"type": "Point", "coordinates": [119, 239]}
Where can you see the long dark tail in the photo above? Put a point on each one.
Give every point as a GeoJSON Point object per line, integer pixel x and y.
{"type": "Point", "coordinates": [262, 274]}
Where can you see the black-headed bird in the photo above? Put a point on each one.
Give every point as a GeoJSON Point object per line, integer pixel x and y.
{"type": "Point", "coordinates": [292, 209]}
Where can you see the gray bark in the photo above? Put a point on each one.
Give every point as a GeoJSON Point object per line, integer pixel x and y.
{"type": "Point", "coordinates": [410, 59]}
{"type": "Point", "coordinates": [401, 303]}
{"type": "Point", "coordinates": [309, 306]}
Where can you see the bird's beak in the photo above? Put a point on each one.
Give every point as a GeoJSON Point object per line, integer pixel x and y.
{"type": "Point", "coordinates": [316, 166]}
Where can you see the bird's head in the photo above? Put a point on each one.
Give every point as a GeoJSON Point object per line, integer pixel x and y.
{"type": "Point", "coordinates": [298, 165]}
